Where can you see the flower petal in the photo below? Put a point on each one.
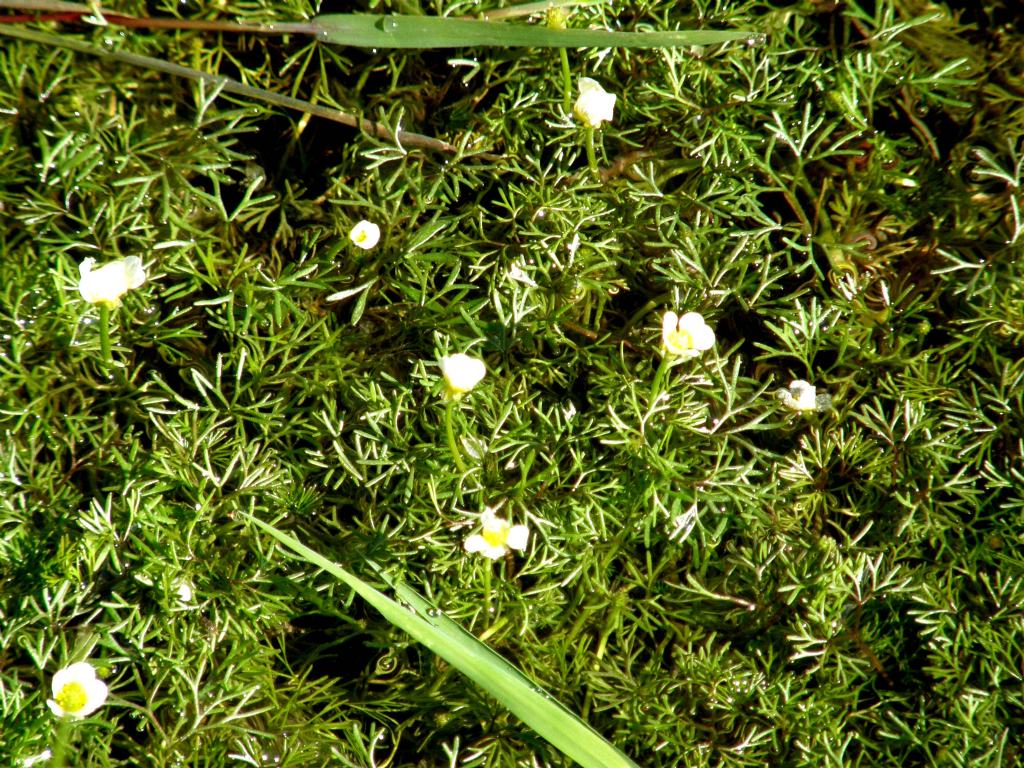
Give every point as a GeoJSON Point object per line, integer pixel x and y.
{"type": "Point", "coordinates": [518, 536]}
{"type": "Point", "coordinates": [594, 104]}
{"type": "Point", "coordinates": [110, 282]}
{"type": "Point", "coordinates": [79, 672]}
{"type": "Point", "coordinates": [490, 520]}
{"type": "Point", "coordinates": [96, 695]}
{"type": "Point", "coordinates": [669, 323]}
{"type": "Point", "coordinates": [462, 372]}
{"type": "Point", "coordinates": [703, 338]}
{"type": "Point", "coordinates": [55, 708]}
{"type": "Point", "coordinates": [692, 322]}
{"type": "Point", "coordinates": [86, 267]}
{"type": "Point", "coordinates": [134, 272]}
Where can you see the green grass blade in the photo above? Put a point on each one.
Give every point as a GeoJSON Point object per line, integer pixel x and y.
{"type": "Point", "coordinates": [429, 626]}
{"type": "Point", "coordinates": [375, 31]}
{"type": "Point", "coordinates": [226, 84]}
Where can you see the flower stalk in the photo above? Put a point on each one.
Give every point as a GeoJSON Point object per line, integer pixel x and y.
{"type": "Point", "coordinates": [60, 743]}
{"type": "Point", "coordinates": [659, 379]}
{"type": "Point", "coordinates": [566, 80]}
{"type": "Point", "coordinates": [557, 18]}
{"type": "Point", "coordinates": [453, 445]}
{"type": "Point", "coordinates": [487, 594]}
{"type": "Point", "coordinates": [591, 154]}
{"type": "Point", "coordinates": [108, 358]}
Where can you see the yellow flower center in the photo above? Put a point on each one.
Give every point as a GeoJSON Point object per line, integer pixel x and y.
{"type": "Point", "coordinates": [497, 537]}
{"type": "Point", "coordinates": [72, 697]}
{"type": "Point", "coordinates": [679, 340]}
{"type": "Point", "coordinates": [361, 236]}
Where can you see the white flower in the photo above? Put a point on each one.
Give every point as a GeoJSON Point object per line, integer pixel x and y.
{"type": "Point", "coordinates": [461, 373]}
{"type": "Point", "coordinates": [183, 591]}
{"type": "Point", "coordinates": [594, 104]}
{"type": "Point", "coordinates": [28, 762]}
{"type": "Point", "coordinates": [804, 397]}
{"type": "Point", "coordinates": [77, 692]}
{"type": "Point", "coordinates": [685, 336]}
{"type": "Point", "coordinates": [498, 537]}
{"type": "Point", "coordinates": [110, 282]}
{"type": "Point", "coordinates": [365, 234]}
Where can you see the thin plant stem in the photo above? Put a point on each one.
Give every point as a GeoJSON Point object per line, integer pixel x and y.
{"type": "Point", "coordinates": [60, 743]}
{"type": "Point", "coordinates": [487, 593]}
{"type": "Point", "coordinates": [659, 378]}
{"type": "Point", "coordinates": [108, 359]}
{"type": "Point", "coordinates": [591, 156]}
{"type": "Point", "coordinates": [566, 80]}
{"type": "Point", "coordinates": [453, 446]}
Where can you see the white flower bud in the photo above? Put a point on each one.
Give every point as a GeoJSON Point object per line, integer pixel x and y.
{"type": "Point", "coordinates": [594, 104]}
{"type": "Point", "coordinates": [461, 373]}
{"type": "Point", "coordinates": [110, 282]}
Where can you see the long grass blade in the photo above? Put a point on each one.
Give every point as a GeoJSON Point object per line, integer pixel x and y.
{"type": "Point", "coordinates": [415, 615]}
{"type": "Point", "coordinates": [228, 85]}
{"type": "Point", "coordinates": [375, 31]}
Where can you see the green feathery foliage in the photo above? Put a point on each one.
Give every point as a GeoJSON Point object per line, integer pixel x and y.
{"type": "Point", "coordinates": [712, 577]}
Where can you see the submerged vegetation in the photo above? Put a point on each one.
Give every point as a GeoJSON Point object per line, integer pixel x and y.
{"type": "Point", "coordinates": [795, 541]}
